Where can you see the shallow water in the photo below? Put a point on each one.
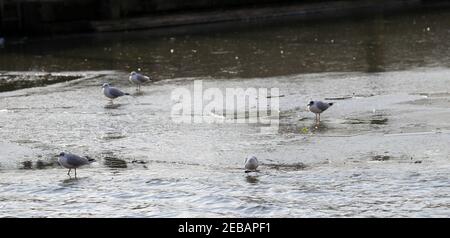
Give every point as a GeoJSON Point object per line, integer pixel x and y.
{"type": "Point", "coordinates": [381, 150]}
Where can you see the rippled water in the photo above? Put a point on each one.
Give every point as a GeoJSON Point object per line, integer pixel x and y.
{"type": "Point", "coordinates": [254, 49]}
{"type": "Point", "coordinates": [382, 149]}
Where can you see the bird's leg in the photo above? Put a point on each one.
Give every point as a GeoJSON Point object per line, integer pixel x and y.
{"type": "Point", "coordinates": [317, 120]}
{"type": "Point", "coordinates": [75, 172]}
{"type": "Point", "coordinates": [68, 173]}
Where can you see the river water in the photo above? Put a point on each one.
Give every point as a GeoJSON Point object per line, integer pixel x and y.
{"type": "Point", "coordinates": [381, 150]}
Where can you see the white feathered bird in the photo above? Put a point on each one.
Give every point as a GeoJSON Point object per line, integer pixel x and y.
{"type": "Point", "coordinates": [71, 161]}
{"type": "Point", "coordinates": [318, 107]}
{"type": "Point", "coordinates": [251, 164]}
{"type": "Point", "coordinates": [138, 79]}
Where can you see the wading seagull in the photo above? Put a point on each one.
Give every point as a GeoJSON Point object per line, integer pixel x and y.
{"type": "Point", "coordinates": [112, 92]}
{"type": "Point", "coordinates": [318, 107]}
{"type": "Point", "coordinates": [71, 161]}
{"type": "Point", "coordinates": [138, 79]}
{"type": "Point", "coordinates": [251, 164]}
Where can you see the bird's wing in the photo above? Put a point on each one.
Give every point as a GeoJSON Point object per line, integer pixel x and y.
{"type": "Point", "coordinates": [322, 106]}
{"type": "Point", "coordinates": [76, 160]}
{"type": "Point", "coordinates": [115, 92]}
{"type": "Point", "coordinates": [142, 78]}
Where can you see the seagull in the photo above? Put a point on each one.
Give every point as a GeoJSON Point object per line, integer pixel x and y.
{"type": "Point", "coordinates": [251, 164]}
{"type": "Point", "coordinates": [138, 79]}
{"type": "Point", "coordinates": [318, 107]}
{"type": "Point", "coordinates": [112, 92]}
{"type": "Point", "coordinates": [71, 161]}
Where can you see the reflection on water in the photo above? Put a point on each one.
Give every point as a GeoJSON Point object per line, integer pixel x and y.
{"type": "Point", "coordinates": [138, 93]}
{"type": "Point", "coordinates": [72, 180]}
{"type": "Point", "coordinates": [318, 127]}
{"type": "Point", "coordinates": [252, 179]}
{"type": "Point", "coordinates": [259, 49]}
{"type": "Point", "coordinates": [112, 105]}
{"type": "Point", "coordinates": [375, 44]}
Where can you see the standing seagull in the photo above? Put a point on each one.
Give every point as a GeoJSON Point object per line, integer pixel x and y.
{"type": "Point", "coordinates": [138, 79]}
{"type": "Point", "coordinates": [112, 92]}
{"type": "Point", "coordinates": [251, 164]}
{"type": "Point", "coordinates": [71, 161]}
{"type": "Point", "coordinates": [318, 107]}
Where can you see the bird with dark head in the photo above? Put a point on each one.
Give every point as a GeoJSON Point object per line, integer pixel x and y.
{"type": "Point", "coordinates": [138, 79]}
{"type": "Point", "coordinates": [71, 161]}
{"type": "Point", "coordinates": [112, 92]}
{"type": "Point", "coordinates": [317, 107]}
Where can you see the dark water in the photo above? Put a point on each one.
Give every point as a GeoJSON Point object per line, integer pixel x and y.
{"type": "Point", "coordinates": [381, 150]}
{"type": "Point", "coordinates": [258, 49]}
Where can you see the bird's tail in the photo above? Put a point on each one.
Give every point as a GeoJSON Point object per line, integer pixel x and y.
{"type": "Point", "coordinates": [126, 94]}
{"type": "Point", "coordinates": [331, 104]}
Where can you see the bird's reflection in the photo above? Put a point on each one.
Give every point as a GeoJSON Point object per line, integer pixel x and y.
{"type": "Point", "coordinates": [112, 106]}
{"type": "Point", "coordinates": [138, 93]}
{"type": "Point", "coordinates": [252, 179]}
{"type": "Point", "coordinates": [321, 127]}
{"type": "Point", "coordinates": [72, 180]}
